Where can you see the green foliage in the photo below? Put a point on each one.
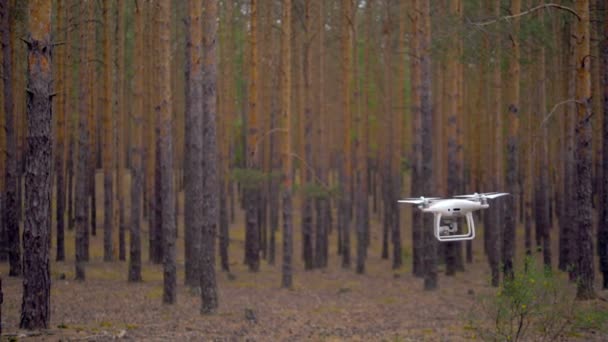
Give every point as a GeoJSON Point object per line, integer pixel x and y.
{"type": "Point", "coordinates": [318, 191]}
{"type": "Point", "coordinates": [251, 178]}
{"type": "Point", "coordinates": [591, 319]}
{"type": "Point", "coordinates": [534, 305]}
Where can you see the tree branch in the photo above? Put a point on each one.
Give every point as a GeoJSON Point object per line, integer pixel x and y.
{"type": "Point", "coordinates": [555, 108]}
{"type": "Point", "coordinates": [533, 9]}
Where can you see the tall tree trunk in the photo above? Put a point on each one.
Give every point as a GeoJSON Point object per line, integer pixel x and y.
{"type": "Point", "coordinates": [121, 124]}
{"type": "Point", "coordinates": [287, 268]}
{"type": "Point", "coordinates": [211, 187]}
{"type": "Point", "coordinates": [513, 108]}
{"type": "Point", "coordinates": [166, 153]}
{"type": "Point", "coordinates": [454, 174]}
{"type": "Point", "coordinates": [347, 47]}
{"type": "Point", "coordinates": [193, 172]}
{"type": "Point", "coordinates": [11, 203]}
{"type": "Point", "coordinates": [494, 214]}
{"type": "Point", "coordinates": [136, 149]}
{"type": "Point", "coordinates": [416, 133]}
{"type": "Point", "coordinates": [108, 139]}
{"type": "Point", "coordinates": [584, 224]}
{"type": "Point", "coordinates": [307, 210]}
{"type": "Point", "coordinates": [426, 113]}
{"type": "Point", "coordinates": [542, 215]}
{"type": "Point", "coordinates": [61, 131]}
{"type": "Point", "coordinates": [82, 169]}
{"type": "Point", "coordinates": [252, 195]}
{"type": "Point", "coordinates": [35, 307]}
{"type": "Point", "coordinates": [567, 250]}
{"type": "Point", "coordinates": [602, 233]}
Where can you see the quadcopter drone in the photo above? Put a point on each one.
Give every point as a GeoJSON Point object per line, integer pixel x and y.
{"type": "Point", "coordinates": [451, 209]}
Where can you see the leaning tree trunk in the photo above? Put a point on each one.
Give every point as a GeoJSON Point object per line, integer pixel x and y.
{"type": "Point", "coordinates": [584, 215]}
{"type": "Point", "coordinates": [11, 218]}
{"type": "Point", "coordinates": [35, 307]}
{"type": "Point", "coordinates": [211, 185]}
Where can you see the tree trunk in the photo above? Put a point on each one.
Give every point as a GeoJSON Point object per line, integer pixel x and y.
{"type": "Point", "coordinates": [82, 169]}
{"type": "Point", "coordinates": [108, 139]}
{"type": "Point", "coordinates": [513, 108]}
{"type": "Point", "coordinates": [584, 224]}
{"type": "Point", "coordinates": [426, 113]}
{"type": "Point", "coordinates": [11, 203]}
{"type": "Point", "coordinates": [166, 153]}
{"type": "Point", "coordinates": [121, 124]}
{"type": "Point", "coordinates": [307, 209]}
{"type": "Point", "coordinates": [543, 215]}
{"type": "Point", "coordinates": [193, 172]}
{"type": "Point", "coordinates": [61, 131]}
{"type": "Point", "coordinates": [252, 194]}
{"type": "Point", "coordinates": [454, 174]}
{"type": "Point", "coordinates": [211, 187]}
{"type": "Point", "coordinates": [602, 233]}
{"type": "Point", "coordinates": [495, 228]}
{"type": "Point", "coordinates": [416, 133]}
{"type": "Point", "coordinates": [35, 307]}
{"type": "Point", "coordinates": [287, 268]}
{"type": "Point", "coordinates": [136, 149]}
{"type": "Point", "coordinates": [347, 47]}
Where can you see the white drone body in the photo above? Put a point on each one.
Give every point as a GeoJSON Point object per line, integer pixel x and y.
{"type": "Point", "coordinates": [451, 209]}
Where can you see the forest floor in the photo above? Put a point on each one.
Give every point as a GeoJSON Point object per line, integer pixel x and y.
{"type": "Point", "coordinates": [333, 304]}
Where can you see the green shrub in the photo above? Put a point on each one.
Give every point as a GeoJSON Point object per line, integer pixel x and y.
{"type": "Point", "coordinates": [534, 305]}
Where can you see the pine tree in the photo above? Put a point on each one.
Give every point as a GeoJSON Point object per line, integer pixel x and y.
{"type": "Point", "coordinates": [35, 307]}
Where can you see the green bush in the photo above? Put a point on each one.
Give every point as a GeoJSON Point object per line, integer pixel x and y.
{"type": "Point", "coordinates": [534, 305]}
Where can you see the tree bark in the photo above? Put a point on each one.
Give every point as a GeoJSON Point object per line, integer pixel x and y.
{"type": "Point", "coordinates": [108, 139]}
{"type": "Point", "coordinates": [416, 133]}
{"type": "Point", "coordinates": [287, 267]}
{"type": "Point", "coordinates": [166, 153]}
{"type": "Point", "coordinates": [35, 307]}
{"type": "Point", "coordinates": [136, 149]}
{"type": "Point", "coordinates": [307, 209]}
{"type": "Point", "coordinates": [602, 233]}
{"type": "Point", "coordinates": [513, 108]}
{"type": "Point", "coordinates": [211, 187]}
{"type": "Point", "coordinates": [346, 199]}
{"type": "Point", "coordinates": [252, 194]}
{"type": "Point", "coordinates": [193, 172]}
{"type": "Point", "coordinates": [584, 224]}
{"type": "Point", "coordinates": [454, 116]}
{"type": "Point", "coordinates": [122, 126]}
{"type": "Point", "coordinates": [426, 113]}
{"type": "Point", "coordinates": [82, 169]}
{"type": "Point", "coordinates": [11, 203]}
{"type": "Point", "coordinates": [61, 131]}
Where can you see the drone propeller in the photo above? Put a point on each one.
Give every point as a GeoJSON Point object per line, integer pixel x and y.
{"type": "Point", "coordinates": [418, 200]}
{"type": "Point", "coordinates": [483, 195]}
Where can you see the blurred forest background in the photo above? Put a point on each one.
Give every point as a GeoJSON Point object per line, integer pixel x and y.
{"type": "Point", "coordinates": [189, 136]}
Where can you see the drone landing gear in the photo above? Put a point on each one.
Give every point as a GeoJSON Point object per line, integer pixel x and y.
{"type": "Point", "coordinates": [446, 233]}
